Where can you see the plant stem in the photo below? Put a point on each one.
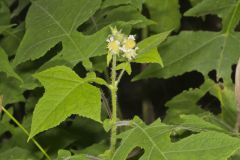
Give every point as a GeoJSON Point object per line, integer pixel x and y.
{"type": "Point", "coordinates": [237, 94]}
{"type": "Point", "coordinates": [114, 106]}
{"type": "Point", "coordinates": [25, 131]}
{"type": "Point", "coordinates": [121, 74]}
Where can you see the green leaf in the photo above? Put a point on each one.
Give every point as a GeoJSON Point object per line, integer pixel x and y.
{"type": "Point", "coordinates": [6, 67]}
{"type": "Point", "coordinates": [4, 14]}
{"type": "Point", "coordinates": [166, 13]}
{"type": "Point", "coordinates": [91, 77]}
{"type": "Point", "coordinates": [157, 145]}
{"type": "Point", "coordinates": [111, 3]}
{"type": "Point", "coordinates": [198, 123]}
{"type": "Point", "coordinates": [148, 52]}
{"type": "Point", "coordinates": [65, 94]}
{"type": "Point", "coordinates": [17, 153]}
{"type": "Point", "coordinates": [202, 51]}
{"type": "Point", "coordinates": [109, 58]}
{"type": "Point", "coordinates": [188, 50]}
{"type": "Point", "coordinates": [125, 66]}
{"type": "Point", "coordinates": [4, 27]}
{"type": "Point", "coordinates": [125, 14]}
{"type": "Point", "coordinates": [195, 2]}
{"type": "Point", "coordinates": [9, 88]}
{"type": "Point", "coordinates": [64, 154]}
{"type": "Point", "coordinates": [187, 103]}
{"type": "Point", "coordinates": [53, 22]}
{"type": "Point", "coordinates": [21, 5]}
{"type": "Point", "coordinates": [228, 105]}
{"type": "Point", "coordinates": [12, 38]}
{"type": "Point", "coordinates": [228, 10]}
{"type": "Point", "coordinates": [96, 149]}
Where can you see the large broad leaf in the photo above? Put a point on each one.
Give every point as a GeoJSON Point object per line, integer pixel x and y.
{"type": "Point", "coordinates": [202, 51]}
{"type": "Point", "coordinates": [166, 13]}
{"type": "Point", "coordinates": [88, 46]}
{"type": "Point", "coordinates": [5, 65]}
{"type": "Point", "coordinates": [49, 22]}
{"type": "Point", "coordinates": [157, 145]}
{"type": "Point", "coordinates": [65, 94]}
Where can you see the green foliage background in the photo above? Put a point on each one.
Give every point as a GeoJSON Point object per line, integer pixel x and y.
{"type": "Point", "coordinates": [53, 65]}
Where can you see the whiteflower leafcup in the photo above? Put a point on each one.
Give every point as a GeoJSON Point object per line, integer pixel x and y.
{"type": "Point", "coordinates": [121, 44]}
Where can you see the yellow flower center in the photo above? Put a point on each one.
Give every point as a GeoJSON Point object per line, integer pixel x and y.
{"type": "Point", "coordinates": [130, 44]}
{"type": "Point", "coordinates": [113, 46]}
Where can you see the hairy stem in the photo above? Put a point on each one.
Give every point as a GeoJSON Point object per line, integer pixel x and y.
{"type": "Point", "coordinates": [114, 106]}
{"type": "Point", "coordinates": [25, 131]}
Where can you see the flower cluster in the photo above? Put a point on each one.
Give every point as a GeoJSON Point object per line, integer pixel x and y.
{"type": "Point", "coordinates": [120, 44]}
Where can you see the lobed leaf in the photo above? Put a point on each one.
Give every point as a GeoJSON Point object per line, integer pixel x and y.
{"type": "Point", "coordinates": [51, 22]}
{"type": "Point", "coordinates": [202, 51]}
{"type": "Point", "coordinates": [65, 94]}
{"type": "Point", "coordinates": [155, 140]}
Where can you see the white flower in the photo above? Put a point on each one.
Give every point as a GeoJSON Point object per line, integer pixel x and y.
{"type": "Point", "coordinates": [113, 45]}
{"type": "Point", "coordinates": [132, 37]}
{"type": "Point", "coordinates": [129, 42]}
{"type": "Point", "coordinates": [120, 43]}
{"type": "Point", "coordinates": [130, 53]}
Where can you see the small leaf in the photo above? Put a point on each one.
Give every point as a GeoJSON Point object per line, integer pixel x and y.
{"type": "Point", "coordinates": [148, 52]}
{"type": "Point", "coordinates": [125, 66]}
{"type": "Point", "coordinates": [87, 64]}
{"type": "Point", "coordinates": [64, 154]}
{"type": "Point", "coordinates": [107, 125]}
{"type": "Point", "coordinates": [91, 77]}
{"type": "Point", "coordinates": [65, 94]}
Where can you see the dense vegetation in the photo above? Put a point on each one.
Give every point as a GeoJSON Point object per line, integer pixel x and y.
{"type": "Point", "coordinates": [119, 79]}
